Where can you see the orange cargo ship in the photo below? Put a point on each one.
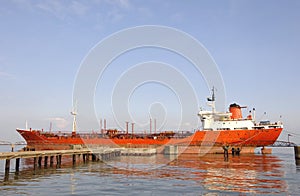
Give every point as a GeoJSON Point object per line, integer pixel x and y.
{"type": "Point", "coordinates": [219, 130]}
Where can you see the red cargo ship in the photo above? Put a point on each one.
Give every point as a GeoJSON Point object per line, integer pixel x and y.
{"type": "Point", "coordinates": [218, 130]}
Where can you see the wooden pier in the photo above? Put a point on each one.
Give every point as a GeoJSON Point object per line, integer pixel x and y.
{"type": "Point", "coordinates": [55, 156]}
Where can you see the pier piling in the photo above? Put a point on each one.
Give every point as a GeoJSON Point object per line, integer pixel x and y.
{"type": "Point", "coordinates": [93, 157]}
{"type": "Point", "coordinates": [74, 159]}
{"type": "Point", "coordinates": [7, 166]}
{"type": "Point", "coordinates": [17, 164]}
{"type": "Point", "coordinates": [51, 161]}
{"type": "Point", "coordinates": [40, 162]}
{"type": "Point", "coordinates": [34, 162]}
{"type": "Point", "coordinates": [45, 161]}
{"type": "Point", "coordinates": [297, 154]}
{"type": "Point", "coordinates": [84, 158]}
{"type": "Point", "coordinates": [59, 160]}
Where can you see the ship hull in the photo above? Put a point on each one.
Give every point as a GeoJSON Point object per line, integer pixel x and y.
{"type": "Point", "coordinates": [198, 142]}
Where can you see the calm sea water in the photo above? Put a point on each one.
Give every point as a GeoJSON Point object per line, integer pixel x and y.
{"type": "Point", "coordinates": [255, 174]}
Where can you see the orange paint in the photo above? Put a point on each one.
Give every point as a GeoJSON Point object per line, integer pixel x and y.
{"type": "Point", "coordinates": [254, 138]}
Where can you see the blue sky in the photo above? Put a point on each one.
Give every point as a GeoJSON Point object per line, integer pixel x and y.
{"type": "Point", "coordinates": [255, 44]}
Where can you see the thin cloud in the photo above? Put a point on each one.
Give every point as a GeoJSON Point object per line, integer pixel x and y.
{"type": "Point", "coordinates": [79, 8]}
{"type": "Point", "coordinates": [59, 122]}
{"type": "Point", "coordinates": [6, 75]}
{"type": "Point", "coordinates": [61, 10]}
{"type": "Point", "coordinates": [124, 4]}
{"type": "Point", "coordinates": [106, 11]}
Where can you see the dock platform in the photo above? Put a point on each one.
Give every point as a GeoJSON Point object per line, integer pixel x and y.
{"type": "Point", "coordinates": [54, 157]}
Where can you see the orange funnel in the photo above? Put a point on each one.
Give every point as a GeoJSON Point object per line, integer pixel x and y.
{"type": "Point", "coordinates": [235, 110]}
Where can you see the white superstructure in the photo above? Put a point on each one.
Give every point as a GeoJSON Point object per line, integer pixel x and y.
{"type": "Point", "coordinates": [233, 120]}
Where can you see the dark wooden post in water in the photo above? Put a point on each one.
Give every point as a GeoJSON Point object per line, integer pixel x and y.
{"type": "Point", "coordinates": [7, 166]}
{"type": "Point", "coordinates": [58, 160]}
{"type": "Point", "coordinates": [34, 163]}
{"type": "Point", "coordinates": [84, 158]}
{"type": "Point", "coordinates": [45, 161]}
{"type": "Point", "coordinates": [74, 159]}
{"type": "Point", "coordinates": [51, 161]}
{"type": "Point", "coordinates": [17, 164]}
{"type": "Point", "coordinates": [297, 154]}
{"type": "Point", "coordinates": [40, 161]}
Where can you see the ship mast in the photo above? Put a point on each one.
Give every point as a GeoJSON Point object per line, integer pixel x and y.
{"type": "Point", "coordinates": [74, 113]}
{"type": "Point", "coordinates": [212, 101]}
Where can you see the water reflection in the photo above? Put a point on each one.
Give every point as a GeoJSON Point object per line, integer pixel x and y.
{"type": "Point", "coordinates": [245, 173]}
{"type": "Point", "coordinates": [254, 174]}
